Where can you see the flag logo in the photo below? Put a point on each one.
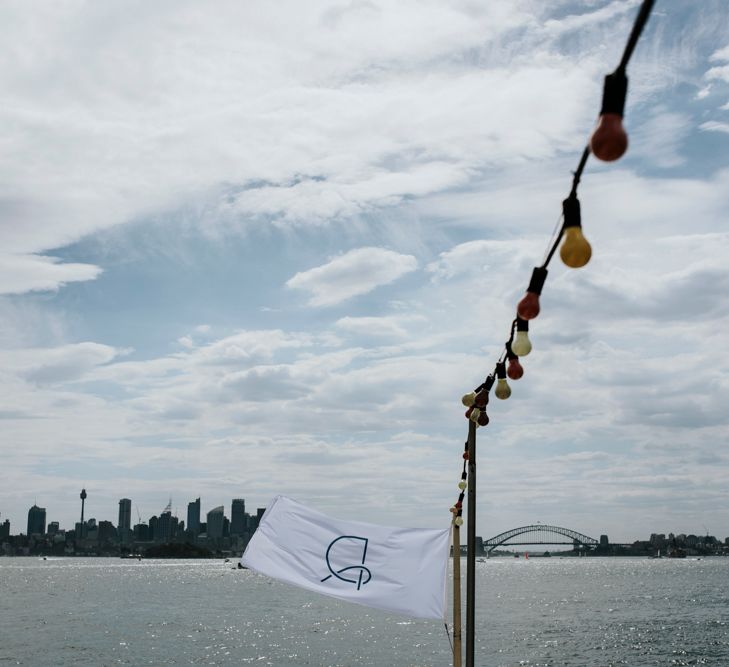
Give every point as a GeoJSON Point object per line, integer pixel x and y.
{"type": "Point", "coordinates": [348, 552]}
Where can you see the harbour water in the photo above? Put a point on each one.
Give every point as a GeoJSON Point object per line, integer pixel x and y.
{"type": "Point", "coordinates": [575, 612]}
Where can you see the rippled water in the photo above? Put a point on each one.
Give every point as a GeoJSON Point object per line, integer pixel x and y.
{"type": "Point", "coordinates": [558, 611]}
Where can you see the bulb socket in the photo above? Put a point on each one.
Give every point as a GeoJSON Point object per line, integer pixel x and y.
{"type": "Point", "coordinates": [501, 370]}
{"type": "Point", "coordinates": [571, 211]}
{"type": "Point", "coordinates": [614, 92]}
{"type": "Point", "coordinates": [509, 352]}
{"type": "Point", "coordinates": [539, 275]}
{"type": "Point", "coordinates": [522, 324]}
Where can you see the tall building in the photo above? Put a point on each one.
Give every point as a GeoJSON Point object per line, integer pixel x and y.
{"type": "Point", "coordinates": [166, 528]}
{"type": "Point", "coordinates": [238, 517]}
{"type": "Point", "coordinates": [125, 520]}
{"type": "Point", "coordinates": [5, 530]}
{"type": "Point", "coordinates": [193, 517]}
{"type": "Point", "coordinates": [36, 521]}
{"type": "Point", "coordinates": [216, 523]}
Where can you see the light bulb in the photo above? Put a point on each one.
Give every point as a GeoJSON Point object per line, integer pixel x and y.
{"type": "Point", "coordinates": [528, 307]}
{"type": "Point", "coordinates": [483, 419]}
{"type": "Point", "coordinates": [469, 399]}
{"type": "Point", "coordinates": [521, 345]}
{"type": "Point", "coordinates": [482, 398]}
{"type": "Point", "coordinates": [503, 390]}
{"type": "Point", "coordinates": [462, 485]}
{"type": "Point", "coordinates": [609, 141]}
{"type": "Point", "coordinates": [575, 251]}
{"type": "Point", "coordinates": [458, 521]}
{"type": "Point", "coordinates": [475, 412]}
{"type": "Point", "coordinates": [515, 369]}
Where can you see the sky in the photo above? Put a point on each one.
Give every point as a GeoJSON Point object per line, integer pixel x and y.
{"type": "Point", "coordinates": [250, 249]}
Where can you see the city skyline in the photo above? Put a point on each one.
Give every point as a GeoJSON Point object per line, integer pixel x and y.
{"type": "Point", "coordinates": [239, 528]}
{"type": "Point", "coordinates": [276, 260]}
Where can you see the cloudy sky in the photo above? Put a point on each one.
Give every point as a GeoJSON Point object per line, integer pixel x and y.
{"type": "Point", "coordinates": [261, 248]}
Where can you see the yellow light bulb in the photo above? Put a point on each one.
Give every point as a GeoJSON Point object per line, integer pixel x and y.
{"type": "Point", "coordinates": [575, 251]}
{"type": "Point", "coordinates": [521, 345]}
{"type": "Point", "coordinates": [503, 390]}
{"type": "Point", "coordinates": [458, 521]}
{"type": "Point", "coordinates": [462, 485]}
{"type": "Point", "coordinates": [469, 399]}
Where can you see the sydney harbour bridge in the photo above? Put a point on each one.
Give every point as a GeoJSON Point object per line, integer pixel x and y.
{"type": "Point", "coordinates": [541, 534]}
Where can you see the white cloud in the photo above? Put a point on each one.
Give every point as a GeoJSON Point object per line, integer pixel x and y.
{"type": "Point", "coordinates": [352, 274]}
{"type": "Point", "coordinates": [388, 326]}
{"type": "Point", "coordinates": [33, 273]}
{"type": "Point", "coordinates": [714, 126]}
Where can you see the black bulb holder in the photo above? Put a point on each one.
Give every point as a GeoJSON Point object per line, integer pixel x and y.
{"type": "Point", "coordinates": [539, 275]}
{"type": "Point", "coordinates": [614, 92]}
{"type": "Point", "coordinates": [571, 211]}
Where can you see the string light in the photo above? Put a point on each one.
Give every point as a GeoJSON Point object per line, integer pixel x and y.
{"type": "Point", "coordinates": [469, 399]}
{"type": "Point", "coordinates": [515, 370]}
{"type": "Point", "coordinates": [575, 251]}
{"type": "Point", "coordinates": [609, 141]}
{"type": "Point", "coordinates": [503, 390]}
{"type": "Point", "coordinates": [521, 345]}
{"type": "Point", "coordinates": [528, 307]}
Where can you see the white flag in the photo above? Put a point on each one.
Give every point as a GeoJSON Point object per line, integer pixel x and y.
{"type": "Point", "coordinates": [395, 569]}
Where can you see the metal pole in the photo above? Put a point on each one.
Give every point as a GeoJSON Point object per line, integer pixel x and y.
{"type": "Point", "coordinates": [457, 659]}
{"type": "Point", "coordinates": [471, 553]}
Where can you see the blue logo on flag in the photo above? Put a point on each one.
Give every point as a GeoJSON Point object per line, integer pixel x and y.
{"type": "Point", "coordinates": [348, 552]}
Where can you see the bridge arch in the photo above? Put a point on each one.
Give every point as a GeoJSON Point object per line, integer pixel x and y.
{"type": "Point", "coordinates": [541, 534]}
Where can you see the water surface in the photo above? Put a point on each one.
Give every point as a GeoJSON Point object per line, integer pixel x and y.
{"type": "Point", "coordinates": [587, 612]}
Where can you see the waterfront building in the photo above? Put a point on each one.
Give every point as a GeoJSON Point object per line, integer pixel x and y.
{"type": "Point", "coordinates": [36, 521]}
{"type": "Point", "coordinates": [215, 523]}
{"type": "Point", "coordinates": [237, 517]}
{"type": "Point", "coordinates": [166, 527]}
{"type": "Point", "coordinates": [53, 527]}
{"type": "Point", "coordinates": [141, 533]}
{"type": "Point", "coordinates": [5, 530]}
{"type": "Point", "coordinates": [193, 517]}
{"type": "Point", "coordinates": [92, 531]}
{"type": "Point", "coordinates": [125, 520]}
{"type": "Point", "coordinates": [107, 533]}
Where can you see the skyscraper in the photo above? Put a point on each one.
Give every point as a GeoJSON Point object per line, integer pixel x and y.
{"type": "Point", "coordinates": [125, 520]}
{"type": "Point", "coordinates": [36, 520]}
{"type": "Point", "coordinates": [238, 517]}
{"type": "Point", "coordinates": [215, 523]}
{"type": "Point", "coordinates": [193, 517]}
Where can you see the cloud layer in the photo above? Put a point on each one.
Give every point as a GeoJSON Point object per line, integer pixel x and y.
{"type": "Point", "coordinates": [254, 251]}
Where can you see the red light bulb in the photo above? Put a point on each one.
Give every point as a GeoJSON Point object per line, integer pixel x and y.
{"type": "Point", "coordinates": [609, 141]}
{"type": "Point", "coordinates": [482, 399]}
{"type": "Point", "coordinates": [528, 307]}
{"type": "Point", "coordinates": [515, 369]}
{"type": "Point", "coordinates": [483, 418]}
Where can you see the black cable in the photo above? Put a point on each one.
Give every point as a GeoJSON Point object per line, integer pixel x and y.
{"type": "Point", "coordinates": [640, 21]}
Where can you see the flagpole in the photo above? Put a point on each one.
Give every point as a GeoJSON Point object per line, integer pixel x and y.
{"type": "Point", "coordinates": [457, 660]}
{"type": "Point", "coordinates": [471, 552]}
